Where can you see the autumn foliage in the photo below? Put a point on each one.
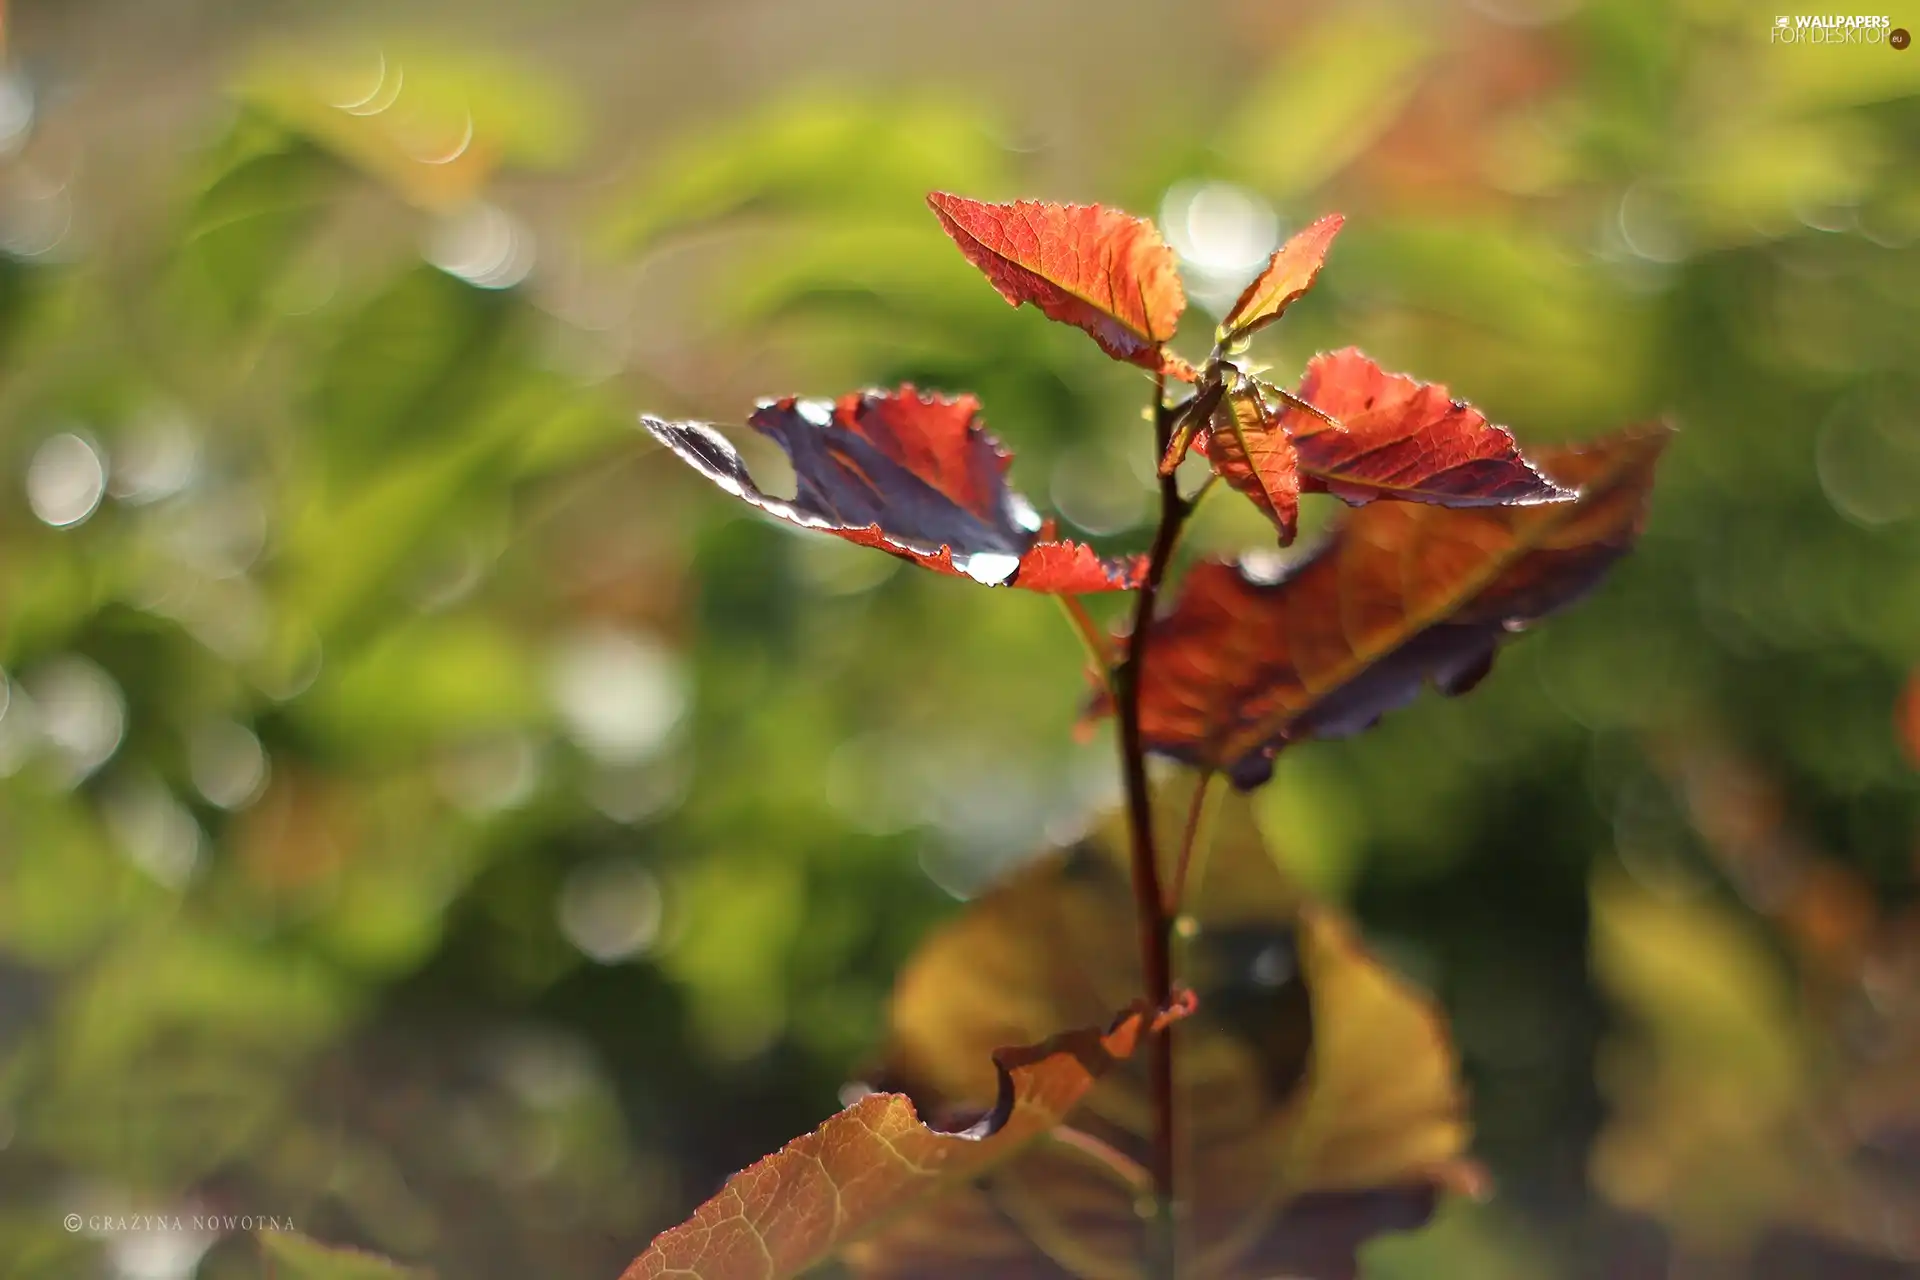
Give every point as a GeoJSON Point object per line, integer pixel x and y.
{"type": "Point", "coordinates": [1083, 265]}
{"type": "Point", "coordinates": [1399, 597]}
{"type": "Point", "coordinates": [909, 473]}
{"type": "Point", "coordinates": [877, 1159]}
{"type": "Point", "coordinates": [1222, 1082]}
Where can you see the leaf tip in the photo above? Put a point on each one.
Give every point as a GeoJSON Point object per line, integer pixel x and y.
{"type": "Point", "coordinates": [1185, 1003]}
{"type": "Point", "coordinates": [1466, 1178]}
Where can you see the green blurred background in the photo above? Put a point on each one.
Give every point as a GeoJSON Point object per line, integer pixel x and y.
{"type": "Point", "coordinates": [430, 814]}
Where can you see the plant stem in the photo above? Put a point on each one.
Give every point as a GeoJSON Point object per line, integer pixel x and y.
{"type": "Point", "coordinates": [1109, 1161]}
{"type": "Point", "coordinates": [1092, 638]}
{"type": "Point", "coordinates": [1197, 809]}
{"type": "Point", "coordinates": [1153, 921]}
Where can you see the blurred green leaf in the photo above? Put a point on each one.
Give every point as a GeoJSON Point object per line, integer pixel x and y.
{"type": "Point", "coordinates": [297, 1257]}
{"type": "Point", "coordinates": [1468, 1240]}
{"type": "Point", "coordinates": [1752, 181]}
{"type": "Point", "coordinates": [243, 231]}
{"type": "Point", "coordinates": [410, 369]}
{"type": "Point", "coordinates": [423, 683]}
{"type": "Point", "coordinates": [818, 156]}
{"type": "Point", "coordinates": [1337, 88]}
{"type": "Point", "coordinates": [350, 501]}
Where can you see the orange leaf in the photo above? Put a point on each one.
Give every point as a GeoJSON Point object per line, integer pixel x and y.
{"type": "Point", "coordinates": [915, 475]}
{"type": "Point", "coordinates": [1289, 273]}
{"type": "Point", "coordinates": [1190, 418]}
{"type": "Point", "coordinates": [1404, 439]}
{"type": "Point", "coordinates": [1399, 596]}
{"type": "Point", "coordinates": [1317, 1097]}
{"type": "Point", "coordinates": [1100, 269]}
{"type": "Point", "coordinates": [876, 1159]}
{"type": "Point", "coordinates": [1250, 451]}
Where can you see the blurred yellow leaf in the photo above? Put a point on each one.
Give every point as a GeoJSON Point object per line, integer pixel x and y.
{"type": "Point", "coordinates": [1318, 1101]}
{"type": "Point", "coordinates": [432, 123]}
{"type": "Point", "coordinates": [1751, 180]}
{"type": "Point", "coordinates": [1715, 1097]}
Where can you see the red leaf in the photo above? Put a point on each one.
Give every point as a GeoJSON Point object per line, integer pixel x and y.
{"type": "Point", "coordinates": [1190, 420]}
{"type": "Point", "coordinates": [876, 1159]}
{"type": "Point", "coordinates": [1175, 366]}
{"type": "Point", "coordinates": [1103, 270]}
{"type": "Point", "coordinates": [915, 475]}
{"type": "Point", "coordinates": [1399, 596]}
{"type": "Point", "coordinates": [1404, 439]}
{"type": "Point", "coordinates": [1250, 451]}
{"type": "Point", "coordinates": [1289, 274]}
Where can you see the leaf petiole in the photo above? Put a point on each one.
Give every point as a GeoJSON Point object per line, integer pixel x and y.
{"type": "Point", "coordinates": [1196, 838]}
{"type": "Point", "coordinates": [1190, 417]}
{"type": "Point", "coordinates": [1092, 638]}
{"type": "Point", "coordinates": [1115, 1163]}
{"type": "Point", "coordinates": [1293, 401]}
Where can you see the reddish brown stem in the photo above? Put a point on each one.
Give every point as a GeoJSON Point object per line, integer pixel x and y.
{"type": "Point", "coordinates": [1153, 921]}
{"type": "Point", "coordinates": [1189, 834]}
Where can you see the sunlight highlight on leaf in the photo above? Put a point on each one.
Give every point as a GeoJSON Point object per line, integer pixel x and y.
{"type": "Point", "coordinates": [1404, 439]}
{"type": "Point", "coordinates": [1100, 269]}
{"type": "Point", "coordinates": [1288, 274]}
{"type": "Point", "coordinates": [1400, 596]}
{"type": "Point", "coordinates": [1250, 451]}
{"type": "Point", "coordinates": [910, 473]}
{"type": "Point", "coordinates": [877, 1159]}
{"type": "Point", "coordinates": [1317, 1096]}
